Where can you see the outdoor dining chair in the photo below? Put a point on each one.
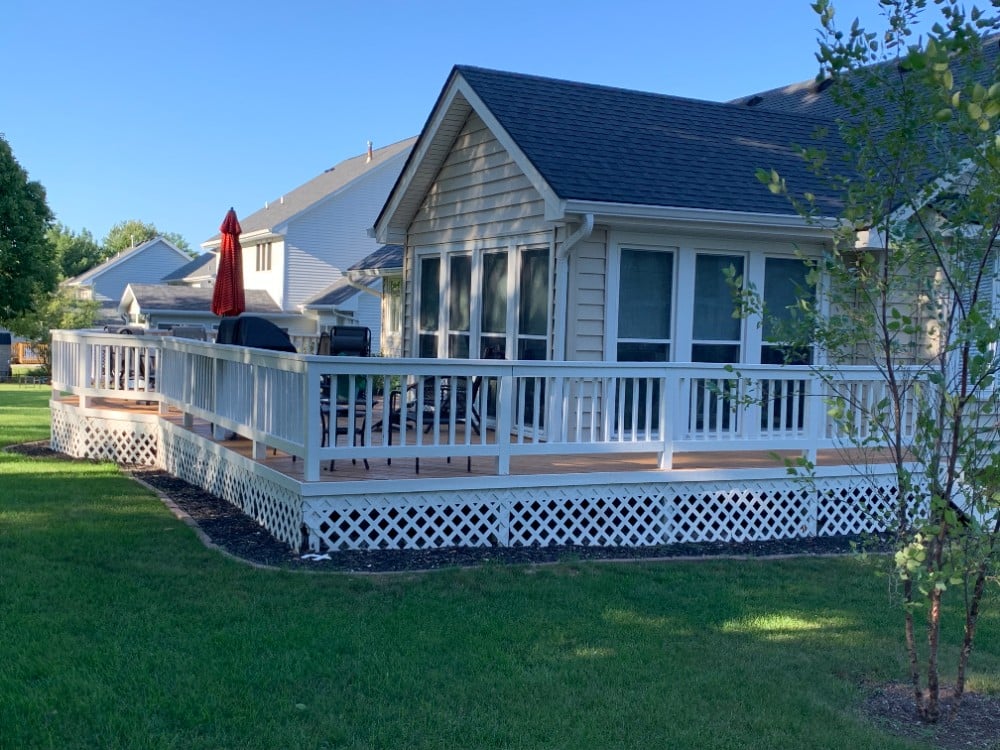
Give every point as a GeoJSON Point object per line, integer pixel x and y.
{"type": "Point", "coordinates": [336, 397]}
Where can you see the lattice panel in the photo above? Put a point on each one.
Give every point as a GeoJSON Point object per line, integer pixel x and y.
{"type": "Point", "coordinates": [619, 518]}
{"type": "Point", "coordinates": [87, 436]}
{"type": "Point", "coordinates": [403, 523]}
{"type": "Point", "coordinates": [858, 505]}
{"type": "Point", "coordinates": [749, 511]}
{"type": "Point", "coordinates": [273, 506]}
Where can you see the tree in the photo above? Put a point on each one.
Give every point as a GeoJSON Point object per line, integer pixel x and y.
{"type": "Point", "coordinates": [132, 232]}
{"type": "Point", "coordinates": [58, 310]}
{"type": "Point", "coordinates": [908, 287]}
{"type": "Point", "coordinates": [27, 267]}
{"type": "Point", "coordinates": [75, 253]}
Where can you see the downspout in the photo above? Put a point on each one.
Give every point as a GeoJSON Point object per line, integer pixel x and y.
{"type": "Point", "coordinates": [581, 234]}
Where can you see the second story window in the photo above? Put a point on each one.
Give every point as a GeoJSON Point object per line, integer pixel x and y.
{"type": "Point", "coordinates": [264, 256]}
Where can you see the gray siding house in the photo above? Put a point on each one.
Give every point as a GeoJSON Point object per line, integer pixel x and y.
{"type": "Point", "coordinates": [147, 263]}
{"type": "Point", "coordinates": [298, 247]}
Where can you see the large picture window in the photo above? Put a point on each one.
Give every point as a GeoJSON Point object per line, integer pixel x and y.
{"type": "Point", "coordinates": [785, 286]}
{"type": "Point", "coordinates": [717, 331]}
{"type": "Point", "coordinates": [645, 303]}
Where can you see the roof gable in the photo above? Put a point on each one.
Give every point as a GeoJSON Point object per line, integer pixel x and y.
{"type": "Point", "coordinates": [588, 143]}
{"type": "Point", "coordinates": [88, 276]}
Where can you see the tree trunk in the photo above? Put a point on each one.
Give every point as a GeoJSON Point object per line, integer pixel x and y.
{"type": "Point", "coordinates": [933, 641]}
{"type": "Point", "coordinates": [971, 620]}
{"type": "Point", "coordinates": [911, 650]}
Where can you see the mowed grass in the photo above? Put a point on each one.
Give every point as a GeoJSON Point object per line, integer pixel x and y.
{"type": "Point", "coordinates": [118, 629]}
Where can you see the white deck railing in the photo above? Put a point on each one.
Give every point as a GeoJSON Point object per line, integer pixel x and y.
{"type": "Point", "coordinates": [415, 408]}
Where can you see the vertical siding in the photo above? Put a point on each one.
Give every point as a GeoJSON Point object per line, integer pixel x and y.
{"type": "Point", "coordinates": [146, 267]}
{"type": "Point", "coordinates": [479, 195]}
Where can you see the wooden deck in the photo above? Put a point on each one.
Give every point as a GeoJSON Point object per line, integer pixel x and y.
{"type": "Point", "coordinates": [460, 466]}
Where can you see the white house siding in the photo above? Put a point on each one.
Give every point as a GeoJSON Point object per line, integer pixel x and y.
{"type": "Point", "coordinates": [479, 199]}
{"type": "Point", "coordinates": [333, 235]}
{"type": "Point", "coordinates": [146, 267]}
{"type": "Point", "coordinates": [271, 281]}
{"type": "Point", "coordinates": [587, 297]}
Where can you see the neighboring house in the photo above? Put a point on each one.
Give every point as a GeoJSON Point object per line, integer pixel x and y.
{"type": "Point", "coordinates": [164, 306]}
{"type": "Point", "coordinates": [547, 219]}
{"type": "Point", "coordinates": [145, 263]}
{"type": "Point", "coordinates": [297, 247]}
{"type": "Point", "coordinates": [379, 276]}
{"type": "Point", "coordinates": [345, 302]}
{"type": "Point", "coordinates": [199, 272]}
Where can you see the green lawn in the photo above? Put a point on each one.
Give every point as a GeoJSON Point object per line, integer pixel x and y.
{"type": "Point", "coordinates": [119, 629]}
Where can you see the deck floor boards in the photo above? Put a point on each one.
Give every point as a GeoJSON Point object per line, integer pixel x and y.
{"type": "Point", "coordinates": [430, 468]}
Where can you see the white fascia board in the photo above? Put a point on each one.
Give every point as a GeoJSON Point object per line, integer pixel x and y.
{"type": "Point", "coordinates": [213, 246]}
{"type": "Point", "coordinates": [621, 214]}
{"type": "Point", "coordinates": [383, 230]}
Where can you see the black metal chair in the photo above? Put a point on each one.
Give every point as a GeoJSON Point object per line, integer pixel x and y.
{"type": "Point", "coordinates": [344, 341]}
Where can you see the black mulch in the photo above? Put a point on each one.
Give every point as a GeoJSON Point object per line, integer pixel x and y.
{"type": "Point", "coordinates": [239, 535]}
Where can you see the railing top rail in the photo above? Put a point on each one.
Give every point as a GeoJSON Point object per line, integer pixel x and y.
{"type": "Point", "coordinates": [472, 367]}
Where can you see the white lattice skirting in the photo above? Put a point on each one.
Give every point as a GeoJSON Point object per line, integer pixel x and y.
{"type": "Point", "coordinates": [754, 505]}
{"type": "Point", "coordinates": [626, 514]}
{"type": "Point", "coordinates": [267, 496]}
{"type": "Point", "coordinates": [100, 435]}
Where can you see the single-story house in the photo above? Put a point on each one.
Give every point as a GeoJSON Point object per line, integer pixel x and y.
{"type": "Point", "coordinates": [544, 219]}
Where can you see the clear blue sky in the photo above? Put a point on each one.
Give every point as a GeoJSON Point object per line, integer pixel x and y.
{"type": "Point", "coordinates": [171, 112]}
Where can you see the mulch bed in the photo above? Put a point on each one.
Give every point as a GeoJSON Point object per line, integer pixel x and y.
{"type": "Point", "coordinates": [977, 725]}
{"type": "Point", "coordinates": [226, 527]}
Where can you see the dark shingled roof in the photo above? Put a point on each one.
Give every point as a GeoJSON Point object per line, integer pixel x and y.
{"type": "Point", "coordinates": [386, 257]}
{"type": "Point", "coordinates": [337, 293]}
{"type": "Point", "coordinates": [815, 98]}
{"type": "Point", "coordinates": [200, 266]}
{"type": "Point", "coordinates": [172, 297]}
{"type": "Point", "coordinates": [612, 145]}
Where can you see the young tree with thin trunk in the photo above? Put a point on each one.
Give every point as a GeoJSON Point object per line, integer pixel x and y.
{"type": "Point", "coordinates": [908, 287]}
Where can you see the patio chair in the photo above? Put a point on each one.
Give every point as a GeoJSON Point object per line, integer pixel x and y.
{"type": "Point", "coordinates": [406, 405]}
{"type": "Point", "coordinates": [344, 341]}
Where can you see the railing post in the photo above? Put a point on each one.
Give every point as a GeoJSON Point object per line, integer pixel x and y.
{"type": "Point", "coordinates": [218, 433]}
{"type": "Point", "coordinates": [86, 357]}
{"type": "Point", "coordinates": [751, 395]}
{"type": "Point", "coordinates": [817, 417]}
{"type": "Point", "coordinates": [258, 450]}
{"type": "Point", "coordinates": [505, 408]}
{"type": "Point", "coordinates": [310, 397]}
{"type": "Point", "coordinates": [667, 395]}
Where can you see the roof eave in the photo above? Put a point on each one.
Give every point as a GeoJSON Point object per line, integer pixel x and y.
{"type": "Point", "coordinates": [745, 222]}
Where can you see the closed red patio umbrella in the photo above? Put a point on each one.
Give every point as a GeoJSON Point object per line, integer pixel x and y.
{"type": "Point", "coordinates": [228, 298]}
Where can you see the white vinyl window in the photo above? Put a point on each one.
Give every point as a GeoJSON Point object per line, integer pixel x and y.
{"type": "Point", "coordinates": [645, 304]}
{"type": "Point", "coordinates": [264, 256]}
{"type": "Point", "coordinates": [468, 305]}
{"type": "Point", "coordinates": [717, 333]}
